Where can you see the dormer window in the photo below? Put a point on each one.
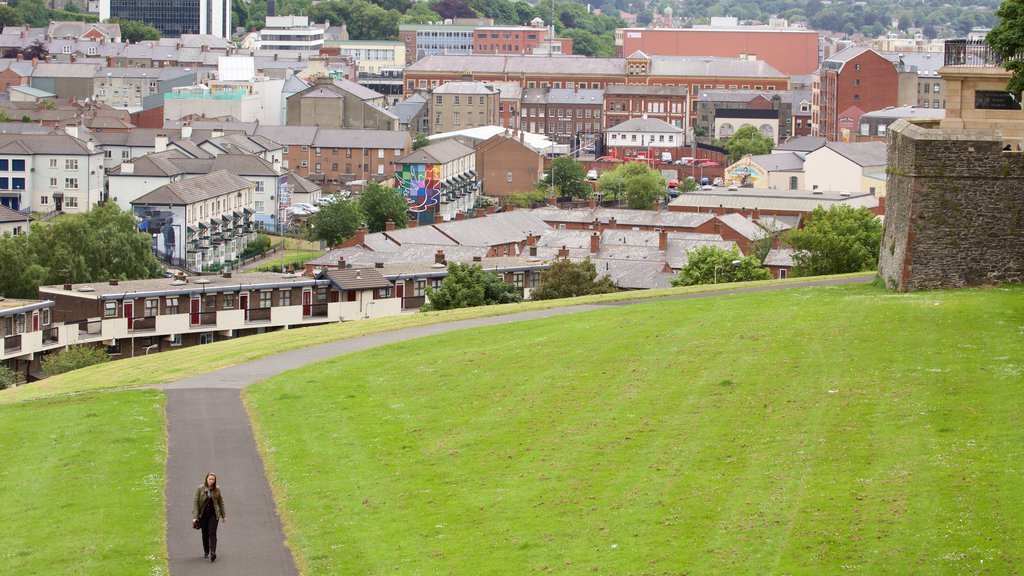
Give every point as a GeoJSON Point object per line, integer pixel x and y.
{"type": "Point", "coordinates": [67, 49]}
{"type": "Point", "coordinates": [92, 51]}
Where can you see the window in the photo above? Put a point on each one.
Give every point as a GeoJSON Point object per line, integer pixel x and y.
{"type": "Point", "coordinates": [865, 129]}
{"type": "Point", "coordinates": [265, 298]}
{"type": "Point", "coordinates": [419, 288]}
{"type": "Point", "coordinates": [175, 339]}
{"type": "Point", "coordinates": [71, 164]}
{"type": "Point", "coordinates": [316, 168]}
{"type": "Point", "coordinates": [935, 104]}
{"type": "Point", "coordinates": [935, 88]}
{"type": "Point", "coordinates": [880, 129]}
{"type": "Point", "coordinates": [152, 306]}
{"type": "Point", "coordinates": [793, 182]}
{"type": "Point", "coordinates": [455, 119]}
{"type": "Point", "coordinates": [229, 300]}
{"type": "Point", "coordinates": [171, 305]}
{"type": "Point", "coordinates": [125, 154]}
{"type": "Point", "coordinates": [71, 202]}
{"type": "Point", "coordinates": [285, 297]}
{"type": "Point", "coordinates": [53, 162]}
{"type": "Point", "coordinates": [519, 279]}
{"type": "Point", "coordinates": [856, 97]}
{"type": "Point", "coordinates": [856, 67]}
{"type": "Point", "coordinates": [856, 81]}
{"type": "Point", "coordinates": [17, 165]}
{"type": "Point", "coordinates": [534, 279]}
{"type": "Point", "coordinates": [3, 165]}
{"type": "Point", "coordinates": [53, 182]}
{"type": "Point", "coordinates": [455, 100]}
{"type": "Point", "coordinates": [44, 199]}
{"type": "Point", "coordinates": [380, 154]}
{"type": "Point", "coordinates": [206, 338]}
{"type": "Point", "coordinates": [508, 177]}
{"type": "Point", "coordinates": [110, 309]}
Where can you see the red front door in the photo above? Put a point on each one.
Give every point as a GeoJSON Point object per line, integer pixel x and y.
{"type": "Point", "coordinates": [193, 311]}
{"type": "Point", "coordinates": [350, 296]}
{"type": "Point", "coordinates": [128, 311]}
{"type": "Point", "coordinates": [307, 302]}
{"type": "Point", "coordinates": [243, 303]}
{"type": "Point", "coordinates": [35, 321]}
{"type": "Point", "coordinates": [400, 292]}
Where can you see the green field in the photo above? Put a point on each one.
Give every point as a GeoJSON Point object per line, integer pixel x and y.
{"type": "Point", "coordinates": [83, 485]}
{"type": "Point", "coordinates": [841, 430]}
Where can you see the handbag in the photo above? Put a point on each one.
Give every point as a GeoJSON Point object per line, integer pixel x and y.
{"type": "Point", "coordinates": [195, 524]}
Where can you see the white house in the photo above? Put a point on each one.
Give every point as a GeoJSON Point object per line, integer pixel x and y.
{"type": "Point", "coordinates": [13, 222]}
{"type": "Point", "coordinates": [847, 167]}
{"type": "Point", "coordinates": [642, 136]}
{"type": "Point", "coordinates": [46, 172]}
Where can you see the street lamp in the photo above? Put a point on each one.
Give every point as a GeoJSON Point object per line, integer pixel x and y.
{"type": "Point", "coordinates": [717, 266]}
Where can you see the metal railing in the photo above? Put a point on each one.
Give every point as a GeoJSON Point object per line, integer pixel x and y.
{"type": "Point", "coordinates": [317, 310]}
{"type": "Point", "coordinates": [51, 335]}
{"type": "Point", "coordinates": [90, 328]}
{"type": "Point", "coordinates": [143, 323]}
{"type": "Point", "coordinates": [257, 315]}
{"type": "Point", "coordinates": [973, 53]}
{"type": "Point", "coordinates": [203, 318]}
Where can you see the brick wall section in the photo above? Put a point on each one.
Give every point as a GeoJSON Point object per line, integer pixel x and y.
{"type": "Point", "coordinates": [954, 212]}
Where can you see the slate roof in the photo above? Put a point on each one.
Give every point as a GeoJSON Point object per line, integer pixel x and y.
{"type": "Point", "coordinates": [633, 274]}
{"type": "Point", "coordinates": [566, 96]}
{"type": "Point", "coordinates": [440, 152]}
{"type": "Point", "coordinates": [62, 70]}
{"type": "Point", "coordinates": [782, 162]}
{"type": "Point", "coordinates": [801, 144]}
{"type": "Point", "coordinates": [516, 64]}
{"type": "Point", "coordinates": [54, 143]}
{"type": "Point", "coordinates": [165, 285]}
{"type": "Point", "coordinates": [768, 200]}
{"type": "Point", "coordinates": [196, 189]}
{"type": "Point", "coordinates": [461, 87]}
{"type": "Point", "coordinates": [342, 138]}
{"type": "Point", "coordinates": [713, 67]}
{"type": "Point", "coordinates": [357, 278]}
{"type": "Point", "coordinates": [645, 90]}
{"type": "Point", "coordinates": [496, 229]}
{"type": "Point", "coordinates": [743, 226]}
{"type": "Point", "coordinates": [779, 257]}
{"type": "Point", "coordinates": [895, 113]}
{"type": "Point", "coordinates": [646, 125]}
{"type": "Point", "coordinates": [9, 215]}
{"type": "Point", "coordinates": [861, 153]}
{"type": "Point", "coordinates": [407, 109]}
{"type": "Point", "coordinates": [649, 218]}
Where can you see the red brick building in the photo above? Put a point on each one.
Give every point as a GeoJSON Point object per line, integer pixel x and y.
{"type": "Point", "coordinates": [791, 51]}
{"type": "Point", "coordinates": [848, 84]}
{"type": "Point", "coordinates": [522, 40]}
{"type": "Point", "coordinates": [626, 101]}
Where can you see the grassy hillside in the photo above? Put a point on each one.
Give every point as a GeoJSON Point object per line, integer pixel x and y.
{"type": "Point", "coordinates": [841, 430]}
{"type": "Point", "coordinates": [83, 481]}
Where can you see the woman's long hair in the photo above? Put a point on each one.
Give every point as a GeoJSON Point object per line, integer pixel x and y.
{"type": "Point", "coordinates": [207, 478]}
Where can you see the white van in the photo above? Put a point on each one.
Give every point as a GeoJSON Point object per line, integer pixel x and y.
{"type": "Point", "coordinates": [666, 157]}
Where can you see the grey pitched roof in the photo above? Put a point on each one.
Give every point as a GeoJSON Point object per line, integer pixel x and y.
{"type": "Point", "coordinates": [743, 226]}
{"type": "Point", "coordinates": [645, 90]}
{"type": "Point", "coordinates": [62, 70]}
{"type": "Point", "coordinates": [72, 29]}
{"type": "Point", "coordinates": [462, 87]}
{"type": "Point", "coordinates": [713, 67]}
{"type": "Point", "coordinates": [293, 84]}
{"type": "Point", "coordinates": [801, 144]}
{"type": "Point", "coordinates": [9, 215]}
{"type": "Point", "coordinates": [895, 113]}
{"type": "Point", "coordinates": [333, 90]}
{"type": "Point", "coordinates": [649, 218]}
{"type": "Point", "coordinates": [861, 153]}
{"type": "Point", "coordinates": [566, 96]}
{"type": "Point", "coordinates": [407, 109]}
{"type": "Point", "coordinates": [782, 162]}
{"type": "Point", "coordinates": [438, 153]}
{"type": "Point", "coordinates": [54, 143]}
{"type": "Point", "coordinates": [357, 278]}
{"type": "Point", "coordinates": [493, 230]}
{"type": "Point", "coordinates": [515, 64]}
{"type": "Point", "coordinates": [634, 274]}
{"type": "Point", "coordinates": [779, 257]}
{"type": "Point", "coordinates": [343, 138]}
{"type": "Point", "coordinates": [165, 73]}
{"type": "Point", "coordinates": [649, 125]}
{"type": "Point", "coordinates": [769, 200]}
{"type": "Point", "coordinates": [926, 64]}
{"type": "Point", "coordinates": [299, 184]}
{"type": "Point", "coordinates": [164, 285]}
{"type": "Point", "coordinates": [196, 189]}
{"type": "Point", "coordinates": [244, 165]}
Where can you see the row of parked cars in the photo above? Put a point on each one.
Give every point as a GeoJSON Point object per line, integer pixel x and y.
{"type": "Point", "coordinates": [304, 209]}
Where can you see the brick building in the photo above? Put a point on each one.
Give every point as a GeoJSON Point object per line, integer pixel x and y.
{"type": "Point", "coordinates": [790, 50]}
{"type": "Point", "coordinates": [794, 108]}
{"type": "Point", "coordinates": [506, 165]}
{"type": "Point", "coordinates": [626, 101]}
{"type": "Point", "coordinates": [645, 138]}
{"type": "Point", "coordinates": [567, 116]}
{"type": "Point", "coordinates": [848, 84]}
{"type": "Point", "coordinates": [522, 40]}
{"type": "Point", "coordinates": [448, 38]}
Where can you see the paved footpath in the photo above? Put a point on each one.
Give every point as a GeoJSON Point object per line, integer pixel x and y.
{"type": "Point", "coordinates": [209, 431]}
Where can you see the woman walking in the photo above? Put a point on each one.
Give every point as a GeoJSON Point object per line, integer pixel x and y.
{"type": "Point", "coordinates": [207, 507]}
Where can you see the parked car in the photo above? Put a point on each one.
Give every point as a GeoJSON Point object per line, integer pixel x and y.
{"type": "Point", "coordinates": [302, 209]}
{"type": "Point", "coordinates": [592, 175]}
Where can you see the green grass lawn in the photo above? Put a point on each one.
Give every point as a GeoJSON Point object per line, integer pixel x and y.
{"type": "Point", "coordinates": [841, 430]}
{"type": "Point", "coordinates": [186, 362]}
{"type": "Point", "coordinates": [83, 481]}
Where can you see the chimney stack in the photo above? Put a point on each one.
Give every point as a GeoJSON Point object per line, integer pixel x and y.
{"type": "Point", "coordinates": [113, 281]}
{"type": "Point", "coordinates": [478, 259]}
{"type": "Point", "coordinates": [378, 264]}
{"type": "Point", "coordinates": [389, 226]}
{"type": "Point", "coordinates": [611, 223]}
{"type": "Point", "coordinates": [341, 262]}
{"type": "Point", "coordinates": [663, 240]}
{"type": "Point", "coordinates": [438, 218]}
{"type": "Point", "coordinates": [67, 287]}
{"type": "Point", "coordinates": [439, 257]}
{"type": "Point", "coordinates": [531, 240]}
{"type": "Point", "coordinates": [563, 252]}
{"type": "Point", "coordinates": [595, 242]}
{"type": "Point", "coordinates": [460, 215]}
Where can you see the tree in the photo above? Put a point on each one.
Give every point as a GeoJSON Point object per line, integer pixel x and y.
{"type": "Point", "coordinates": [73, 358]}
{"type": "Point", "coordinates": [9, 16]}
{"type": "Point", "coordinates": [1007, 39]}
{"type": "Point", "coordinates": [71, 6]}
{"type": "Point", "coordinates": [420, 13]}
{"type": "Point", "coordinates": [335, 222]}
{"type": "Point", "coordinates": [566, 279]}
{"type": "Point", "coordinates": [714, 265]}
{"type": "Point", "coordinates": [452, 9]}
{"type": "Point", "coordinates": [527, 199]}
{"type": "Point", "coordinates": [8, 378]}
{"type": "Point", "coordinates": [835, 241]}
{"type": "Point", "coordinates": [635, 181]}
{"type": "Point", "coordinates": [134, 31]}
{"type": "Point", "coordinates": [98, 245]}
{"type": "Point", "coordinates": [380, 204]}
{"type": "Point", "coordinates": [32, 12]}
{"type": "Point", "coordinates": [748, 140]}
{"type": "Point", "coordinates": [469, 285]}
{"type": "Point", "coordinates": [421, 139]}
{"type": "Point", "coordinates": [569, 177]}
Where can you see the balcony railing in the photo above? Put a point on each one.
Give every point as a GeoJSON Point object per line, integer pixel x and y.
{"type": "Point", "coordinates": [12, 343]}
{"type": "Point", "coordinates": [144, 323]}
{"type": "Point", "coordinates": [973, 53]}
{"type": "Point", "coordinates": [203, 318]}
{"type": "Point", "coordinates": [51, 335]}
{"type": "Point", "coordinates": [317, 310]}
{"type": "Point", "coordinates": [90, 329]}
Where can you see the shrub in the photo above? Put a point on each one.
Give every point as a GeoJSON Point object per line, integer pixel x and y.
{"type": "Point", "coordinates": [8, 378]}
{"type": "Point", "coordinates": [259, 245]}
{"type": "Point", "coordinates": [73, 358]}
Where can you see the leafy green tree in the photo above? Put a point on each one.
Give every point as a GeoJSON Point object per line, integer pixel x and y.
{"type": "Point", "coordinates": [73, 358]}
{"type": "Point", "coordinates": [566, 279]}
{"type": "Point", "coordinates": [98, 245]}
{"type": "Point", "coordinates": [380, 204]}
{"type": "Point", "coordinates": [835, 241]}
{"type": "Point", "coordinates": [134, 31]}
{"type": "Point", "coordinates": [1007, 39]}
{"type": "Point", "coordinates": [365, 21]}
{"type": "Point", "coordinates": [9, 16]}
{"type": "Point", "coordinates": [335, 222]}
{"type": "Point", "coordinates": [452, 9]}
{"type": "Point", "coordinates": [420, 13]}
{"type": "Point", "coordinates": [636, 182]}
{"type": "Point", "coordinates": [35, 13]}
{"type": "Point", "coordinates": [71, 6]}
{"type": "Point", "coordinates": [421, 139]}
{"type": "Point", "coordinates": [259, 245]}
{"type": "Point", "coordinates": [527, 199]}
{"type": "Point", "coordinates": [8, 378]}
{"type": "Point", "coordinates": [570, 178]}
{"type": "Point", "coordinates": [469, 285]}
{"type": "Point", "coordinates": [748, 140]}
{"type": "Point", "coordinates": [714, 265]}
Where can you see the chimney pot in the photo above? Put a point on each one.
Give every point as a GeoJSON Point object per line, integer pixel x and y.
{"type": "Point", "coordinates": [227, 274]}
{"type": "Point", "coordinates": [438, 218]}
{"type": "Point", "coordinates": [662, 240]}
{"type": "Point", "coordinates": [341, 263]}
{"type": "Point", "coordinates": [595, 243]}
{"type": "Point", "coordinates": [478, 259]}
{"type": "Point", "coordinates": [439, 257]}
{"type": "Point", "coordinates": [113, 281]}
{"type": "Point", "coordinates": [378, 264]}
{"type": "Point", "coordinates": [389, 226]}
{"type": "Point", "coordinates": [67, 287]}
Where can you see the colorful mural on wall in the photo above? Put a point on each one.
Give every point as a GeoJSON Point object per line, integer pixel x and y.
{"type": "Point", "coordinates": [421, 185]}
{"type": "Point", "coordinates": [744, 172]}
